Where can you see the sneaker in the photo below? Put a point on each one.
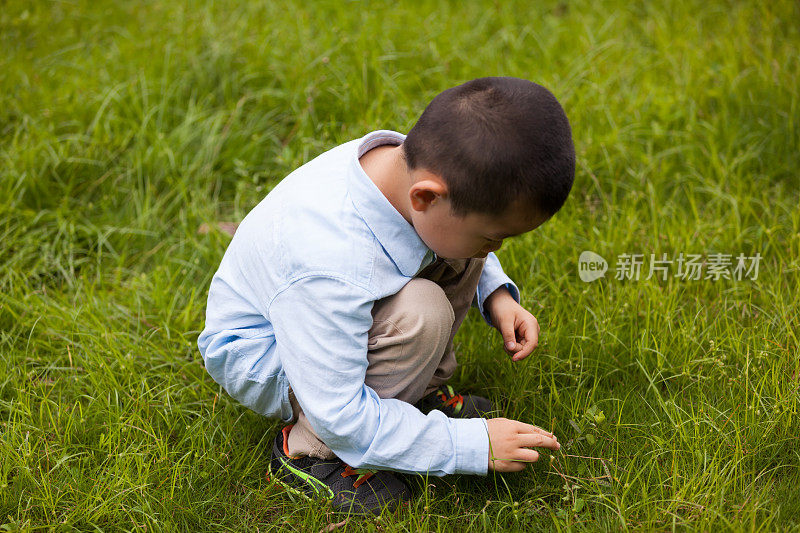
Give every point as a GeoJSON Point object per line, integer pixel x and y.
{"type": "Point", "coordinates": [350, 490]}
{"type": "Point", "coordinates": [455, 405]}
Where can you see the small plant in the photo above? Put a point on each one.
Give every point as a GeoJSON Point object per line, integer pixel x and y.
{"type": "Point", "coordinates": [587, 425]}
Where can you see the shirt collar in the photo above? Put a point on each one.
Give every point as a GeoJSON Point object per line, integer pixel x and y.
{"type": "Point", "coordinates": [395, 234]}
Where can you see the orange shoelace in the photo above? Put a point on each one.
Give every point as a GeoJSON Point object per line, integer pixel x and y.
{"type": "Point", "coordinates": [362, 474]}
{"type": "Point", "coordinates": [455, 400]}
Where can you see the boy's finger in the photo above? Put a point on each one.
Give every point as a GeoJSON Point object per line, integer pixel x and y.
{"type": "Point", "coordinates": [530, 340]}
{"type": "Point", "coordinates": [509, 337]}
{"type": "Point", "coordinates": [507, 466]}
{"type": "Point", "coordinates": [545, 433]}
{"type": "Point", "coordinates": [531, 335]}
{"type": "Point", "coordinates": [524, 351]}
{"type": "Point", "coordinates": [526, 455]}
{"type": "Point", "coordinates": [538, 440]}
{"type": "Point", "coordinates": [530, 428]}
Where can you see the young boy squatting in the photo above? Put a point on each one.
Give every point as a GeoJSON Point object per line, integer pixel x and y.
{"type": "Point", "coordinates": [337, 300]}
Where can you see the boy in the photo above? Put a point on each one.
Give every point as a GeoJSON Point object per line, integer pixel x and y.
{"type": "Point", "coordinates": [337, 301]}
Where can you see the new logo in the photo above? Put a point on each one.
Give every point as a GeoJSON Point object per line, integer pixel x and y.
{"type": "Point", "coordinates": [591, 266]}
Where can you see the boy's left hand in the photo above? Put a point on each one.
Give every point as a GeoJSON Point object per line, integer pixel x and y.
{"type": "Point", "coordinates": [519, 328]}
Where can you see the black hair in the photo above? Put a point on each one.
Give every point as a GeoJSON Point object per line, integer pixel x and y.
{"type": "Point", "coordinates": [496, 142]}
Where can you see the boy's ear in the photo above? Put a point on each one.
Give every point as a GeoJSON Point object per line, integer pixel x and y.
{"type": "Point", "coordinates": [428, 188]}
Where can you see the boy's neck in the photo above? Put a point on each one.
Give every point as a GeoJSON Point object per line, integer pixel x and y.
{"type": "Point", "coordinates": [387, 169]}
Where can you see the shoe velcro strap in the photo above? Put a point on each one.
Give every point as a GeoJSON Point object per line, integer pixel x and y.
{"type": "Point", "coordinates": [323, 469]}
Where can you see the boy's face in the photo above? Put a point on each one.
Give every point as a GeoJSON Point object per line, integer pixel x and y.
{"type": "Point", "coordinates": [474, 235]}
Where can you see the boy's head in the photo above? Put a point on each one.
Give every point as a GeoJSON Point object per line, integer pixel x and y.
{"type": "Point", "coordinates": [500, 149]}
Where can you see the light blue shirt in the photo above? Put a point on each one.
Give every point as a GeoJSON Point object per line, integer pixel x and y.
{"type": "Point", "coordinates": [292, 303]}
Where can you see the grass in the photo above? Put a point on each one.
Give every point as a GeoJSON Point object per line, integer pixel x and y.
{"type": "Point", "coordinates": [125, 126]}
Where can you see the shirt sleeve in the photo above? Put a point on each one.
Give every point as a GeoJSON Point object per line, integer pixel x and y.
{"type": "Point", "coordinates": [321, 328]}
{"type": "Point", "coordinates": [492, 278]}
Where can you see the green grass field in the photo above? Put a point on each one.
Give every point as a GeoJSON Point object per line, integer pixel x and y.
{"type": "Point", "coordinates": [126, 126]}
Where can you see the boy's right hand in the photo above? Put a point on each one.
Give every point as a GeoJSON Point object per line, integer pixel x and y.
{"type": "Point", "coordinates": [510, 442]}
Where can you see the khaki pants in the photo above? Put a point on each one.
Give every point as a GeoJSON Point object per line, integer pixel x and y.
{"type": "Point", "coordinates": [410, 346]}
